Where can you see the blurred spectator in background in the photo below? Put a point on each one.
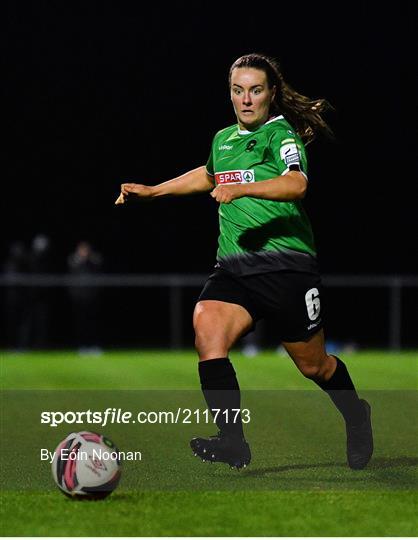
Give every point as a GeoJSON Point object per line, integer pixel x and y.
{"type": "Point", "coordinates": [37, 327]}
{"type": "Point", "coordinates": [85, 299]}
{"type": "Point", "coordinates": [15, 315]}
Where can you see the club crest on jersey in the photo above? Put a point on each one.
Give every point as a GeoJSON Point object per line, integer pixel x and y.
{"type": "Point", "coordinates": [235, 177]}
{"type": "Point", "coordinates": [250, 145]}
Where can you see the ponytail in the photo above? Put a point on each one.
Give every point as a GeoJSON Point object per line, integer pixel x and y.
{"type": "Point", "coordinates": [303, 113]}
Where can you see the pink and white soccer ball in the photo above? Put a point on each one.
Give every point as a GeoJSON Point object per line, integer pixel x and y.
{"type": "Point", "coordinates": [86, 465]}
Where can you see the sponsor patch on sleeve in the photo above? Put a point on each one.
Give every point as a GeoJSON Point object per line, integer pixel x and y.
{"type": "Point", "coordinates": [289, 154]}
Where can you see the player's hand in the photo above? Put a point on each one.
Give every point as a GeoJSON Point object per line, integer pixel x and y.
{"type": "Point", "coordinates": [226, 194]}
{"type": "Point", "coordinates": [135, 190]}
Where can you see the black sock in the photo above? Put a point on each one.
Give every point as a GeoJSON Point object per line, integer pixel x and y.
{"type": "Point", "coordinates": [340, 389]}
{"type": "Point", "coordinates": [221, 390]}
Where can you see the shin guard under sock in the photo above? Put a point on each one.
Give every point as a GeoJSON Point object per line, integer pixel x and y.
{"type": "Point", "coordinates": [221, 390]}
{"type": "Point", "coordinates": [341, 390]}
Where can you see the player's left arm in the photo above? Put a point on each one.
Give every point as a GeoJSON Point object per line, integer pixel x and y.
{"type": "Point", "coordinates": [288, 187]}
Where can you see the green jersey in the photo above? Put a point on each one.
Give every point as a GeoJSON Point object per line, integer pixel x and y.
{"type": "Point", "coordinates": [258, 235]}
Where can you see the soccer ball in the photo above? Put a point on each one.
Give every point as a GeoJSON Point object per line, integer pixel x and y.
{"type": "Point", "coordinates": [86, 466]}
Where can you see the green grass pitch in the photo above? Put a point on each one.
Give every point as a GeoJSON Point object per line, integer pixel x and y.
{"type": "Point", "coordinates": [298, 483]}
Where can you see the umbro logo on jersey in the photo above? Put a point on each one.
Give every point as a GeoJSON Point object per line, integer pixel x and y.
{"type": "Point", "coordinates": [235, 177]}
{"type": "Point", "coordinates": [226, 147]}
{"type": "Point", "coordinates": [312, 325]}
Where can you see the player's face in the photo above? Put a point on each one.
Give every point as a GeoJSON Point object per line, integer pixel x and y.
{"type": "Point", "coordinates": [251, 97]}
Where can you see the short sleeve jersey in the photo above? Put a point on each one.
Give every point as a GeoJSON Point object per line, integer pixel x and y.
{"type": "Point", "coordinates": [258, 235]}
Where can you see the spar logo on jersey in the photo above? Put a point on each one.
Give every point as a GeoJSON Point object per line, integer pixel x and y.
{"type": "Point", "coordinates": [289, 154]}
{"type": "Point", "coordinates": [235, 177]}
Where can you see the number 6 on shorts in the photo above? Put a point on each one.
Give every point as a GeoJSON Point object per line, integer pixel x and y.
{"type": "Point", "coordinates": [313, 303]}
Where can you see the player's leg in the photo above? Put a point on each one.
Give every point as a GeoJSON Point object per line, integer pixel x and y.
{"type": "Point", "coordinates": [328, 372]}
{"type": "Point", "coordinates": [331, 374]}
{"type": "Point", "coordinates": [218, 325]}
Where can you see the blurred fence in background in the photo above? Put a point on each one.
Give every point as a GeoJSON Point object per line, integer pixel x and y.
{"type": "Point", "coordinates": [155, 310]}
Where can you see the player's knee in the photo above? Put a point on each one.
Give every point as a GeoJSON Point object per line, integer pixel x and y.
{"type": "Point", "coordinates": [206, 319]}
{"type": "Point", "coordinates": [206, 338]}
{"type": "Point", "coordinates": [208, 334]}
{"type": "Point", "coordinates": [314, 370]}
{"type": "Point", "coordinates": [315, 364]}
{"type": "Point", "coordinates": [310, 371]}
{"type": "Point", "coordinates": [201, 322]}
{"type": "Point", "coordinates": [201, 338]}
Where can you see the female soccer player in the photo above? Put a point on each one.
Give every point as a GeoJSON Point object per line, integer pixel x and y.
{"type": "Point", "coordinates": [266, 260]}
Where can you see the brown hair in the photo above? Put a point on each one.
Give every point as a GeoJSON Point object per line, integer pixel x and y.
{"type": "Point", "coordinates": [302, 112]}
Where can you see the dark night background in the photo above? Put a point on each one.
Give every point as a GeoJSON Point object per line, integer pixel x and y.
{"type": "Point", "coordinates": [97, 93]}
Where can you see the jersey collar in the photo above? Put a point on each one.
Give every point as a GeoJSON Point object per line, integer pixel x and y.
{"type": "Point", "coordinates": [246, 132]}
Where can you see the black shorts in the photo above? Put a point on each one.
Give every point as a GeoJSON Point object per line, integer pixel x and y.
{"type": "Point", "coordinates": [291, 298]}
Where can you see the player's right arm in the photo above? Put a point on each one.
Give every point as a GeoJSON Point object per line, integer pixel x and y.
{"type": "Point", "coordinates": [195, 181]}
